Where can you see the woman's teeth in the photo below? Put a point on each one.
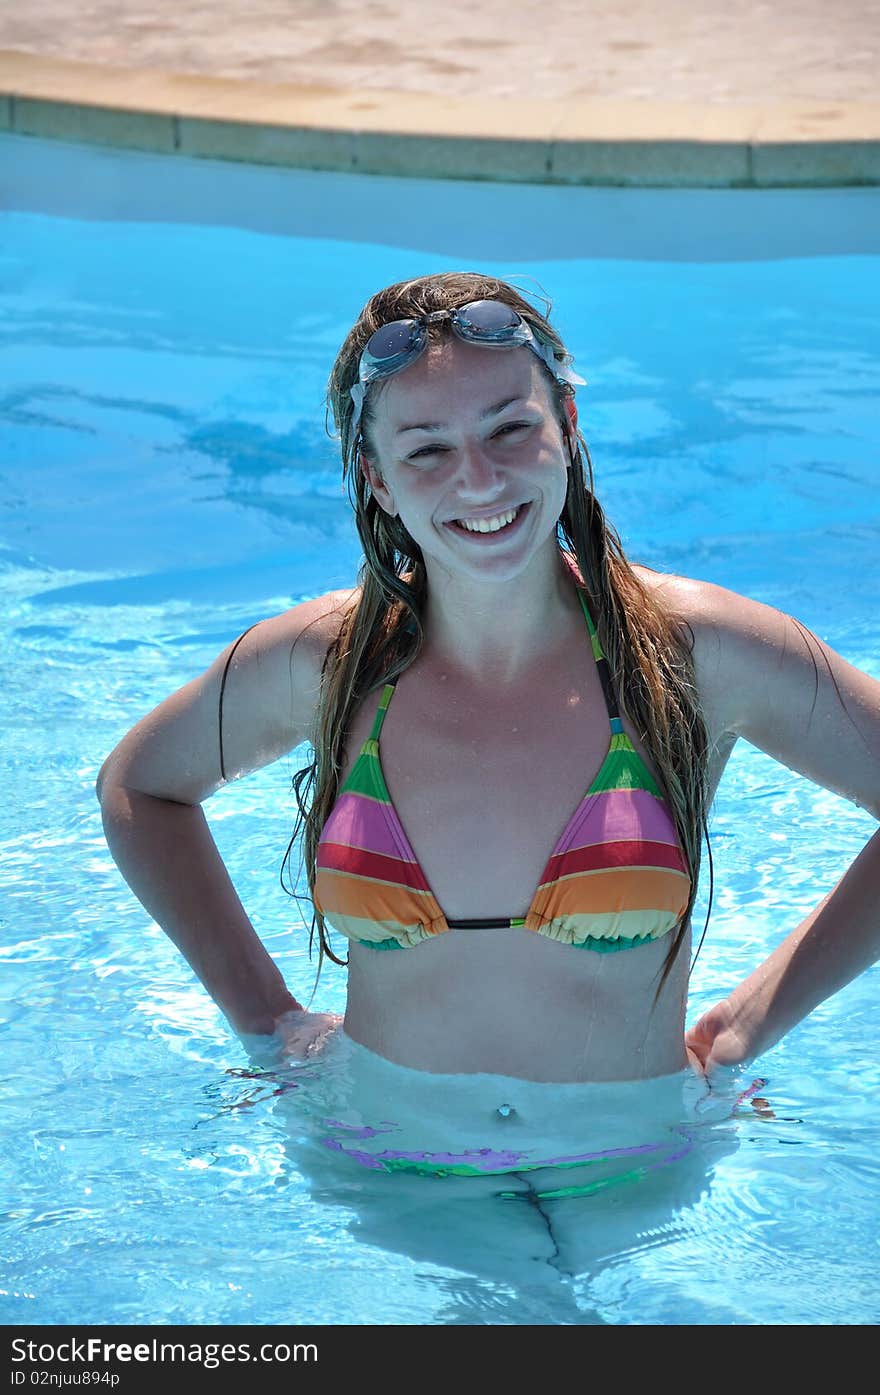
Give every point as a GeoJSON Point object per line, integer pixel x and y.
{"type": "Point", "coordinates": [488, 525]}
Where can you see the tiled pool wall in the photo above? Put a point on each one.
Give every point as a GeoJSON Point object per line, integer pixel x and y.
{"type": "Point", "coordinates": [566, 142]}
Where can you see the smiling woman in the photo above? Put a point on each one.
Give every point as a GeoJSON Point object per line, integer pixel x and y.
{"type": "Point", "coordinates": [540, 683]}
{"type": "Point", "coordinates": [491, 470]}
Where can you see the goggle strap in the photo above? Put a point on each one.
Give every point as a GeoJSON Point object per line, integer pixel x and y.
{"type": "Point", "coordinates": [559, 370]}
{"type": "Point", "coordinates": [358, 393]}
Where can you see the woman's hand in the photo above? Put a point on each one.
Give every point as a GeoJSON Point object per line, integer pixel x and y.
{"type": "Point", "coordinates": [717, 1040]}
{"type": "Point", "coordinates": [301, 1034]}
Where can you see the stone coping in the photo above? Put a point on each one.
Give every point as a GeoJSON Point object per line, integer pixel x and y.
{"type": "Point", "coordinates": [427, 136]}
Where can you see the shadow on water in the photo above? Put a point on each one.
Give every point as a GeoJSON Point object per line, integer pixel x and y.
{"type": "Point", "coordinates": [455, 219]}
{"type": "Point", "coordinates": [519, 1189]}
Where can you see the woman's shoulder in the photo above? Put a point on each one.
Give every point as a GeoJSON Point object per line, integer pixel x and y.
{"type": "Point", "coordinates": [762, 674]}
{"type": "Point", "coordinates": [732, 638]}
{"type": "Point", "coordinates": [757, 668]}
{"type": "Point", "coordinates": [266, 684]}
{"type": "Point", "coordinates": [280, 658]}
{"type": "Point", "coordinates": [709, 610]}
{"type": "Point", "coordinates": [307, 630]}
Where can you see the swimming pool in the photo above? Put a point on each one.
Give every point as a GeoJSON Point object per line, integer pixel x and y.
{"type": "Point", "coordinates": [166, 481]}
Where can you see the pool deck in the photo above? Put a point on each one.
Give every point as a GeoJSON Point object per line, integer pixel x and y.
{"type": "Point", "coordinates": [682, 93]}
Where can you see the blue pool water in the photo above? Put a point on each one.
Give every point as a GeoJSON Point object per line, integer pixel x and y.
{"type": "Point", "coordinates": [166, 330]}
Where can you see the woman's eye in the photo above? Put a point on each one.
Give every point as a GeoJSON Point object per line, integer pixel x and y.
{"type": "Point", "coordinates": [424, 452]}
{"type": "Point", "coordinates": [508, 429]}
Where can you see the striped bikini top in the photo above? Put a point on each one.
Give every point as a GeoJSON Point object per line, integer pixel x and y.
{"type": "Point", "coordinates": [616, 879]}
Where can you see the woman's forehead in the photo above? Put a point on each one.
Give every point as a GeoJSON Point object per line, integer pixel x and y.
{"type": "Point", "coordinates": [454, 374]}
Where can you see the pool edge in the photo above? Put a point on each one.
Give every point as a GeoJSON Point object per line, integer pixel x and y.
{"type": "Point", "coordinates": [642, 144]}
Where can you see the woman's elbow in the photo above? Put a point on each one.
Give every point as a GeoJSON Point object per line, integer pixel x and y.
{"type": "Point", "coordinates": [103, 775]}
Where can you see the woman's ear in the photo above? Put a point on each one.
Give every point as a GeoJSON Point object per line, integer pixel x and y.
{"type": "Point", "coordinates": [382, 493]}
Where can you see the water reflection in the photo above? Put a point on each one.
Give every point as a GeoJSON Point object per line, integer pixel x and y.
{"type": "Point", "coordinates": [516, 1187]}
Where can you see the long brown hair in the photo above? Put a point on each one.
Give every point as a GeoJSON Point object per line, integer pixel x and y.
{"type": "Point", "coordinates": [649, 652]}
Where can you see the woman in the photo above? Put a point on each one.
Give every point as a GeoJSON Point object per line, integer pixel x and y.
{"type": "Point", "coordinates": [540, 683]}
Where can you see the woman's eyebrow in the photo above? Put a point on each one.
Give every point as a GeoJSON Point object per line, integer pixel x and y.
{"type": "Point", "coordinates": [439, 425]}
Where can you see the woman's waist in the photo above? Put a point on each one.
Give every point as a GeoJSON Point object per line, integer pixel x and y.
{"type": "Point", "coordinates": [376, 1102]}
{"type": "Point", "coordinates": [566, 1041]}
{"type": "Point", "coordinates": [509, 1002]}
{"type": "Point", "coordinates": [390, 1117]}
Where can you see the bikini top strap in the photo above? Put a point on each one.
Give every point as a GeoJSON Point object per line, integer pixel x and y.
{"type": "Point", "coordinates": [379, 718]}
{"type": "Point", "coordinates": [602, 666]}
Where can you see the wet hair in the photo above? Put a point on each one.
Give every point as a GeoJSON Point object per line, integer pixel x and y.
{"type": "Point", "coordinates": [649, 650]}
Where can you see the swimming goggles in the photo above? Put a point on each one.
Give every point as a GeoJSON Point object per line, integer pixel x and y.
{"type": "Point", "coordinates": [491, 323]}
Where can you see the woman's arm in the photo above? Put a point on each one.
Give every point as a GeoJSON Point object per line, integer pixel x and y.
{"type": "Point", "coordinates": [763, 677]}
{"type": "Point", "coordinates": [836, 942]}
{"type": "Point", "coordinates": [151, 786]}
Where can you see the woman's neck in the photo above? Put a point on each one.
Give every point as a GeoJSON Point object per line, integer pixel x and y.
{"type": "Point", "coordinates": [500, 631]}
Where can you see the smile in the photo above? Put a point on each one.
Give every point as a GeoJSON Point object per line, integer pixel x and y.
{"type": "Point", "coordinates": [498, 523]}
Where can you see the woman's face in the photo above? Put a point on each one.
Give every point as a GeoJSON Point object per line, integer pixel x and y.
{"type": "Point", "coordinates": [468, 436]}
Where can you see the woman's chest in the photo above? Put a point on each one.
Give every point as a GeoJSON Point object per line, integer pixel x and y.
{"type": "Point", "coordinates": [483, 788]}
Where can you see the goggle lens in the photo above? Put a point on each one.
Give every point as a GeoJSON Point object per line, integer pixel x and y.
{"type": "Point", "coordinates": [491, 322]}
{"type": "Point", "coordinates": [399, 337]}
{"type": "Point", "coordinates": [488, 316]}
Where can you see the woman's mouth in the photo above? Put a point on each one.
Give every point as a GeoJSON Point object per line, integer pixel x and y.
{"type": "Point", "coordinates": [505, 522]}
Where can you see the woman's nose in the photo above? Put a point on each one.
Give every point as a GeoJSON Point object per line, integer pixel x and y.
{"type": "Point", "coordinates": [478, 472]}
